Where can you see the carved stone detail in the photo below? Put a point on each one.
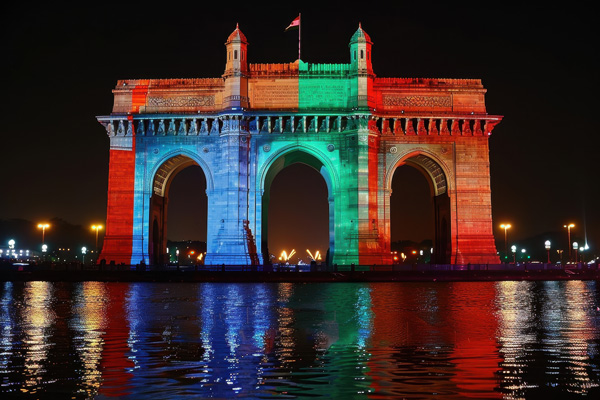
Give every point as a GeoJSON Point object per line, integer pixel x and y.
{"type": "Point", "coordinates": [204, 126]}
{"type": "Point", "coordinates": [121, 129]}
{"type": "Point", "coordinates": [171, 130]}
{"type": "Point", "coordinates": [187, 101]}
{"type": "Point", "coordinates": [193, 127]}
{"type": "Point", "coordinates": [140, 128]}
{"type": "Point", "coordinates": [417, 101]}
{"type": "Point", "coordinates": [182, 128]}
{"type": "Point", "coordinates": [161, 127]}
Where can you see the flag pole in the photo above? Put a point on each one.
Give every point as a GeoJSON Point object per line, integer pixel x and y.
{"type": "Point", "coordinates": [299, 30]}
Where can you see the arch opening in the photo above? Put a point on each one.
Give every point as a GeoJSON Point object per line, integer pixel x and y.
{"type": "Point", "coordinates": [297, 209]}
{"type": "Point", "coordinates": [178, 211]}
{"type": "Point", "coordinates": [420, 212]}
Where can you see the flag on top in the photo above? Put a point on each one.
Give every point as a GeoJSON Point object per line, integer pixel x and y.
{"type": "Point", "coordinates": [294, 23]}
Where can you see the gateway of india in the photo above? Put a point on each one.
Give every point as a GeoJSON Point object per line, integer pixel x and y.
{"type": "Point", "coordinates": [245, 126]}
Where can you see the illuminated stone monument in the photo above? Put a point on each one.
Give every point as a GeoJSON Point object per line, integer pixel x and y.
{"type": "Point", "coordinates": [351, 126]}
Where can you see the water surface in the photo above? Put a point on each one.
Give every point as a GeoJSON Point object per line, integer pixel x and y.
{"type": "Point", "coordinates": [95, 340]}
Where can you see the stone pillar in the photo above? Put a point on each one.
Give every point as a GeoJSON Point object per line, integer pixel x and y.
{"type": "Point", "coordinates": [228, 201]}
{"type": "Point", "coordinates": [473, 232]}
{"type": "Point", "coordinates": [119, 215]}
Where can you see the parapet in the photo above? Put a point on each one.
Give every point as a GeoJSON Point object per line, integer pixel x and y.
{"type": "Point", "coordinates": [260, 70]}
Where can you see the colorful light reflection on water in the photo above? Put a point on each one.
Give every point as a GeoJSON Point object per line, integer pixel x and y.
{"type": "Point", "coordinates": [513, 340]}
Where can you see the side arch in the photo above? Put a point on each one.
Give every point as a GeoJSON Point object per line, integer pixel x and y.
{"type": "Point", "coordinates": [439, 173]}
{"type": "Point", "coordinates": [171, 163]}
{"type": "Point", "coordinates": [441, 187]}
{"type": "Point", "coordinates": [162, 175]}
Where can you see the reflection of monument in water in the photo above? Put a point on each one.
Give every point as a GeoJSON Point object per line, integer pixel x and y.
{"type": "Point", "coordinates": [257, 119]}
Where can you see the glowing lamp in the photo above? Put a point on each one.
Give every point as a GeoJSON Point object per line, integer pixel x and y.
{"type": "Point", "coordinates": [569, 226]}
{"type": "Point", "coordinates": [43, 227]}
{"type": "Point", "coordinates": [505, 227]}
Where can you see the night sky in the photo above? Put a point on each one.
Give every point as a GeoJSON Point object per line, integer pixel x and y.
{"type": "Point", "coordinates": [539, 65]}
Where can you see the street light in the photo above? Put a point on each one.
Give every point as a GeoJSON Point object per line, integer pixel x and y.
{"type": "Point", "coordinates": [11, 244]}
{"type": "Point", "coordinates": [83, 251]}
{"type": "Point", "coordinates": [43, 228]}
{"type": "Point", "coordinates": [575, 247]}
{"type": "Point", "coordinates": [96, 228]}
{"type": "Point", "coordinates": [505, 227]}
{"type": "Point", "coordinates": [513, 248]}
{"type": "Point", "coordinates": [547, 244]}
{"type": "Point", "coordinates": [569, 237]}
{"type": "Point", "coordinates": [581, 250]}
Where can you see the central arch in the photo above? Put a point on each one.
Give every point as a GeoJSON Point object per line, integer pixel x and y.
{"type": "Point", "coordinates": [159, 201]}
{"type": "Point", "coordinates": [274, 166]}
{"type": "Point", "coordinates": [438, 181]}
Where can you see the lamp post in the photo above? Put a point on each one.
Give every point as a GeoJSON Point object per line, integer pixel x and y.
{"type": "Point", "coordinates": [96, 228]}
{"type": "Point", "coordinates": [575, 247]}
{"type": "Point", "coordinates": [83, 251]}
{"type": "Point", "coordinates": [513, 248]}
{"type": "Point", "coordinates": [43, 227]}
{"type": "Point", "coordinates": [547, 244]}
{"type": "Point", "coordinates": [569, 237]}
{"type": "Point", "coordinates": [505, 227]}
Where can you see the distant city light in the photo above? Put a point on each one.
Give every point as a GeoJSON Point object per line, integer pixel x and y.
{"type": "Point", "coordinates": [285, 257]}
{"type": "Point", "coordinates": [316, 257]}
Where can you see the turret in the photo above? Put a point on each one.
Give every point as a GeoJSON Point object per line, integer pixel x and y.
{"type": "Point", "coordinates": [362, 69]}
{"type": "Point", "coordinates": [360, 51]}
{"type": "Point", "coordinates": [236, 70]}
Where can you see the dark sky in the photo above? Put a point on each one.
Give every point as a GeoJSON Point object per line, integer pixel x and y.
{"type": "Point", "coordinates": [539, 65]}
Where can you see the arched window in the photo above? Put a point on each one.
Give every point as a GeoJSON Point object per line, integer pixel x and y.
{"type": "Point", "coordinates": [235, 54]}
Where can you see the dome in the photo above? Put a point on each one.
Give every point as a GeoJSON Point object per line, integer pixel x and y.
{"type": "Point", "coordinates": [237, 36]}
{"type": "Point", "coordinates": [360, 36]}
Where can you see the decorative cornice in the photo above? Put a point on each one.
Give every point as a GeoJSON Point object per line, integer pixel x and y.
{"type": "Point", "coordinates": [198, 125]}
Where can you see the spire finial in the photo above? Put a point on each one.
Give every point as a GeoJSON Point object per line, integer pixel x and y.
{"type": "Point", "coordinates": [237, 26]}
{"type": "Point", "coordinates": [359, 25]}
